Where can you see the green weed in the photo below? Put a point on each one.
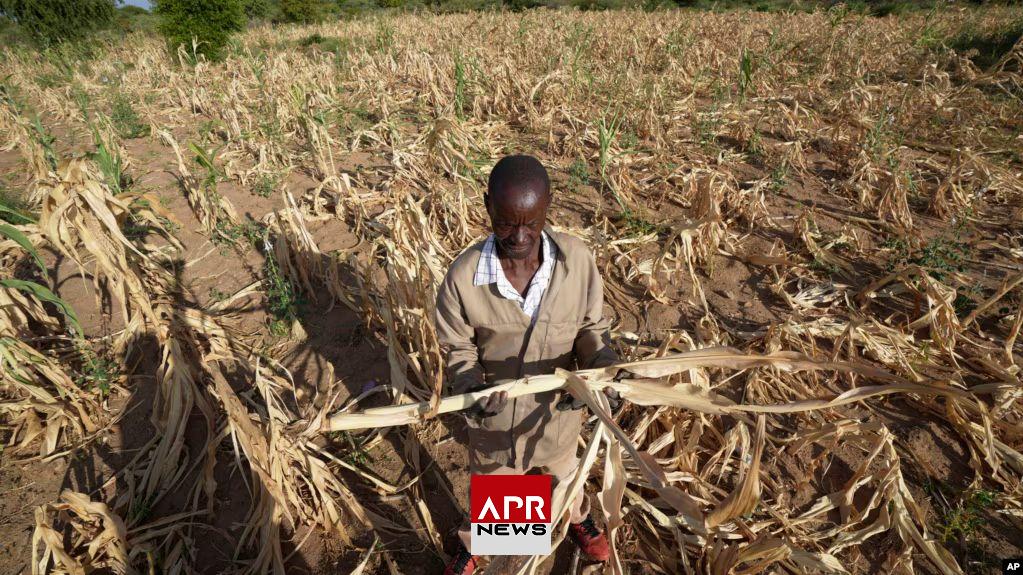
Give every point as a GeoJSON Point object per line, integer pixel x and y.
{"type": "Point", "coordinates": [940, 256]}
{"type": "Point", "coordinates": [108, 158]}
{"type": "Point", "coordinates": [141, 510]}
{"type": "Point", "coordinates": [633, 224]}
{"type": "Point", "coordinates": [355, 454]}
{"type": "Point", "coordinates": [746, 66]}
{"type": "Point", "coordinates": [45, 140]}
{"type": "Point", "coordinates": [126, 120]}
{"type": "Point", "coordinates": [99, 372]}
{"type": "Point", "coordinates": [265, 185]}
{"type": "Point", "coordinates": [383, 40]}
{"type": "Point", "coordinates": [282, 299]}
{"type": "Point", "coordinates": [578, 175]}
{"type": "Point", "coordinates": [678, 42]}
{"type": "Point", "coordinates": [825, 268]}
{"type": "Point", "coordinates": [216, 295]}
{"type": "Point", "coordinates": [779, 177]}
{"type": "Point", "coordinates": [961, 517]}
{"type": "Point", "coordinates": [231, 234]}
{"type": "Point", "coordinates": [326, 44]}
{"type": "Point", "coordinates": [755, 146]}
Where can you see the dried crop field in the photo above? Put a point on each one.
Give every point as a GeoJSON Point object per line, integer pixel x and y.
{"type": "Point", "coordinates": [205, 269]}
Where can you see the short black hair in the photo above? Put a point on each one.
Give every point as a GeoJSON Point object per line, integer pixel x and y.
{"type": "Point", "coordinates": [520, 170]}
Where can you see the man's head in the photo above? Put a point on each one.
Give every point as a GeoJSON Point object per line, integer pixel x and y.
{"type": "Point", "coordinates": [517, 198]}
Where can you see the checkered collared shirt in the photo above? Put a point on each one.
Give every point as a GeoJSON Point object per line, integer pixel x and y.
{"type": "Point", "coordinates": [489, 271]}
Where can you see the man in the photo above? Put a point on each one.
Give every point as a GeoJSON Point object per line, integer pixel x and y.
{"type": "Point", "coordinates": [523, 302]}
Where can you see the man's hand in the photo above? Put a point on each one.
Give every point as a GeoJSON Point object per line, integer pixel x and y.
{"type": "Point", "coordinates": [569, 401]}
{"type": "Point", "coordinates": [488, 406]}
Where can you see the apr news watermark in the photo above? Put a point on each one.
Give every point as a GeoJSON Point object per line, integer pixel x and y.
{"type": "Point", "coordinates": [510, 514]}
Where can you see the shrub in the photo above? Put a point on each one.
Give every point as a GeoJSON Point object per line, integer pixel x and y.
{"type": "Point", "coordinates": [258, 9]}
{"type": "Point", "coordinates": [209, 22]}
{"type": "Point", "coordinates": [304, 11]}
{"type": "Point", "coordinates": [602, 4]}
{"type": "Point", "coordinates": [50, 22]}
{"type": "Point", "coordinates": [133, 18]}
{"type": "Point", "coordinates": [468, 5]}
{"type": "Point", "coordinates": [987, 48]}
{"type": "Point", "coordinates": [326, 44]}
{"type": "Point", "coordinates": [350, 8]}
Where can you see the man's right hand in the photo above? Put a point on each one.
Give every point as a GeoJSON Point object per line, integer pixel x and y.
{"type": "Point", "coordinates": [488, 406]}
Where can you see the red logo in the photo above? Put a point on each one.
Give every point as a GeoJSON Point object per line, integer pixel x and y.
{"type": "Point", "coordinates": [510, 514]}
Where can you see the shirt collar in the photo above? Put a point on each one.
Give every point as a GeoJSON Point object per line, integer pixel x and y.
{"type": "Point", "coordinates": [489, 270]}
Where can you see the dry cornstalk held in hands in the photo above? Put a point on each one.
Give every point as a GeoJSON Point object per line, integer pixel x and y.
{"type": "Point", "coordinates": [648, 390]}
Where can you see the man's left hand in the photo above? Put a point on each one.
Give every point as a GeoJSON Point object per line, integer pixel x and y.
{"type": "Point", "coordinates": [569, 401]}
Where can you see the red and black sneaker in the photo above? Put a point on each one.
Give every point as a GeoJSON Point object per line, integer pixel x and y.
{"type": "Point", "coordinates": [590, 539]}
{"type": "Point", "coordinates": [462, 563]}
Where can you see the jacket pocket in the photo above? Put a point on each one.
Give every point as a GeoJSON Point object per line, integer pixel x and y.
{"type": "Point", "coordinates": [560, 338]}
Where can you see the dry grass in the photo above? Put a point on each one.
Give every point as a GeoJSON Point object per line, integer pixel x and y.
{"type": "Point", "coordinates": [699, 136]}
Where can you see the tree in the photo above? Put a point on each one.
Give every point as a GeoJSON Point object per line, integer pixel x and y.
{"type": "Point", "coordinates": [209, 22]}
{"type": "Point", "coordinates": [304, 11]}
{"type": "Point", "coordinates": [50, 22]}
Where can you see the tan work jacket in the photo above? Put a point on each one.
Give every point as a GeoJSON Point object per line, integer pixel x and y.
{"type": "Point", "coordinates": [490, 342]}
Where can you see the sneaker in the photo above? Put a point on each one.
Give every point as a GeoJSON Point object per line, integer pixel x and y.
{"type": "Point", "coordinates": [463, 562]}
{"type": "Point", "coordinates": [590, 539]}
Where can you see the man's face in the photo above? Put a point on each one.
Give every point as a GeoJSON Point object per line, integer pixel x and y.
{"type": "Point", "coordinates": [517, 217]}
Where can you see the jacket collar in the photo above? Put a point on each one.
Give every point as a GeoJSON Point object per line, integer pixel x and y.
{"type": "Point", "coordinates": [556, 237]}
{"type": "Point", "coordinates": [557, 277]}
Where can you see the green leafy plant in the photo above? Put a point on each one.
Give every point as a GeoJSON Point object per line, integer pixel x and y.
{"type": "Point", "coordinates": [303, 11]}
{"type": "Point", "coordinates": [43, 294]}
{"type": "Point", "coordinates": [779, 176]}
{"type": "Point", "coordinates": [354, 453]}
{"type": "Point", "coordinates": [126, 120]}
{"type": "Point", "coordinates": [281, 297]}
{"type": "Point", "coordinates": [746, 66]}
{"type": "Point", "coordinates": [207, 23]}
{"type": "Point", "coordinates": [265, 185]}
{"type": "Point", "coordinates": [141, 509]}
{"type": "Point", "coordinates": [258, 9]}
{"type": "Point", "coordinates": [13, 208]}
{"type": "Point", "coordinates": [207, 160]}
{"type": "Point", "coordinates": [987, 47]}
{"type": "Point", "coordinates": [108, 158]}
{"type": "Point", "coordinates": [383, 39]}
{"type": "Point", "coordinates": [251, 231]}
{"type": "Point", "coordinates": [320, 42]}
{"type": "Point", "coordinates": [940, 256]}
{"type": "Point", "coordinates": [578, 175]}
{"type": "Point", "coordinates": [45, 139]}
{"type": "Point", "coordinates": [216, 295]}
{"type": "Point", "coordinates": [634, 225]}
{"type": "Point", "coordinates": [50, 22]}
{"type": "Point", "coordinates": [607, 131]}
{"type": "Point", "coordinates": [98, 372]}
{"type": "Point", "coordinates": [19, 238]}
{"type": "Point", "coordinates": [960, 517]}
